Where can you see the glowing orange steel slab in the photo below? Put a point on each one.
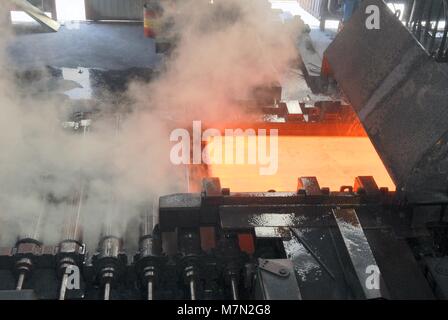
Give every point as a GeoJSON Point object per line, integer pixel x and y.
{"type": "Point", "coordinates": [335, 161]}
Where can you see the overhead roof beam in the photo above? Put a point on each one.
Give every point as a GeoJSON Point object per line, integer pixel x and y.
{"type": "Point", "coordinates": [36, 14]}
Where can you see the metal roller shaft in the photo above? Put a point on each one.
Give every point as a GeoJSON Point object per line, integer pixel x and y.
{"type": "Point", "coordinates": [192, 289]}
{"type": "Point", "coordinates": [150, 290]}
{"type": "Point", "coordinates": [234, 285]}
{"type": "Point", "coordinates": [20, 281]}
{"type": "Point", "coordinates": [63, 286]}
{"type": "Point", "coordinates": [107, 291]}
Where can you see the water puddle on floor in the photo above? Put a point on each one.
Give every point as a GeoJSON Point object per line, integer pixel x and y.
{"type": "Point", "coordinates": [81, 76]}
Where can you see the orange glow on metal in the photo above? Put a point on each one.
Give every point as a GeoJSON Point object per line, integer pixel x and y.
{"type": "Point", "coordinates": [335, 161]}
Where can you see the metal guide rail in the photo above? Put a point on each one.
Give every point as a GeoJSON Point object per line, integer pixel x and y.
{"type": "Point", "coordinates": [309, 244]}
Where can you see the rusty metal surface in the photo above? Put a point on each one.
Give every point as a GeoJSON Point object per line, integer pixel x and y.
{"type": "Point", "coordinates": [400, 96]}
{"type": "Point", "coordinates": [310, 185]}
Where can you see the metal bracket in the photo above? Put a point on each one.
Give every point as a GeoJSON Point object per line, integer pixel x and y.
{"type": "Point", "coordinates": [274, 268]}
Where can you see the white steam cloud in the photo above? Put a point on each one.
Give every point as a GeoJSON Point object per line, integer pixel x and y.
{"type": "Point", "coordinates": [223, 51]}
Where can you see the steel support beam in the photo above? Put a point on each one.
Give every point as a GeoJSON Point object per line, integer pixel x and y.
{"type": "Point", "coordinates": [401, 97]}
{"type": "Point", "coordinates": [36, 14]}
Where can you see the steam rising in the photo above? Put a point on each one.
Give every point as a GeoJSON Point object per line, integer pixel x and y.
{"type": "Point", "coordinates": [122, 164]}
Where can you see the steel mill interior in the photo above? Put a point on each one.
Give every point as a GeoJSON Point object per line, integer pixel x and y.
{"type": "Point", "coordinates": [223, 149]}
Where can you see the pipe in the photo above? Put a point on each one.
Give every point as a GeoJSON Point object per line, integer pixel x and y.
{"type": "Point", "coordinates": [192, 289]}
{"type": "Point", "coordinates": [20, 281]}
{"type": "Point", "coordinates": [107, 291]}
{"type": "Point", "coordinates": [234, 285]}
{"type": "Point", "coordinates": [150, 290]}
{"type": "Point", "coordinates": [63, 286]}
